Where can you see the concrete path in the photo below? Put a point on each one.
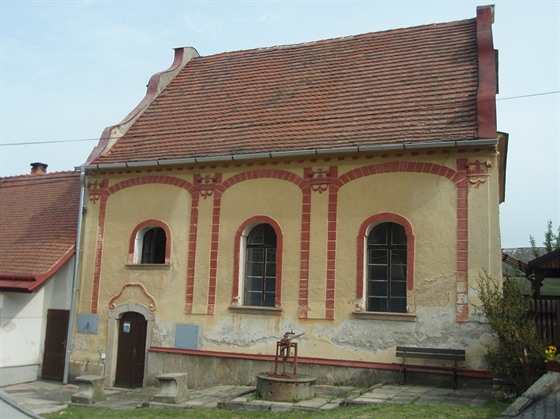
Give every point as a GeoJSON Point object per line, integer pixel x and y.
{"type": "Point", "coordinates": [42, 397]}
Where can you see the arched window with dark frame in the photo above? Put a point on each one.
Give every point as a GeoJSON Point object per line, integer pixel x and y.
{"type": "Point", "coordinates": [386, 268]}
{"type": "Point", "coordinates": [154, 242]}
{"type": "Point", "coordinates": [260, 267]}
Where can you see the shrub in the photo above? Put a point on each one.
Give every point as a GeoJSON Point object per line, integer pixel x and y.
{"type": "Point", "coordinates": [518, 356]}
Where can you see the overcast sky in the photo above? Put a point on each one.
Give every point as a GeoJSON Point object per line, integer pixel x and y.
{"type": "Point", "coordinates": [70, 68]}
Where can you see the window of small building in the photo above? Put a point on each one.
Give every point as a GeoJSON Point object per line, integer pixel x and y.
{"type": "Point", "coordinates": [259, 288]}
{"type": "Point", "coordinates": [386, 270]}
{"type": "Point", "coordinates": [150, 246]}
{"type": "Point", "coordinates": [154, 243]}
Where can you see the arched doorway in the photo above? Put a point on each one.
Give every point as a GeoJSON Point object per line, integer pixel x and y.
{"type": "Point", "coordinates": [131, 350]}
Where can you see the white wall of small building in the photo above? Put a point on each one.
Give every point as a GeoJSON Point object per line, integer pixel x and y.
{"type": "Point", "coordinates": [23, 323]}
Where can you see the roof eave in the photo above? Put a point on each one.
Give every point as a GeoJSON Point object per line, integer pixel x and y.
{"type": "Point", "coordinates": [292, 153]}
{"type": "Point", "coordinates": [29, 283]}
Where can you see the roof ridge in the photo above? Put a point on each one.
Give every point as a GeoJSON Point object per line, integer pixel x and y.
{"type": "Point", "coordinates": [340, 38]}
{"type": "Point", "coordinates": [29, 178]}
{"type": "Point", "coordinates": [50, 174]}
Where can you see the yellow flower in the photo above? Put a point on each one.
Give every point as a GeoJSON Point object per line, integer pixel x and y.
{"type": "Point", "coordinates": [551, 354]}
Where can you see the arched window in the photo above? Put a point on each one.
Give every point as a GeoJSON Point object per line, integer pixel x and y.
{"type": "Point", "coordinates": [259, 288]}
{"type": "Point", "coordinates": [153, 245]}
{"type": "Point", "coordinates": [150, 243]}
{"type": "Point", "coordinates": [386, 270]}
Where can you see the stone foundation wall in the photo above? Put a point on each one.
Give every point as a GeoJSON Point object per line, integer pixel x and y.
{"type": "Point", "coordinates": [206, 371]}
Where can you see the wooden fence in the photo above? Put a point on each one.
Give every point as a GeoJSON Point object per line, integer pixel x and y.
{"type": "Point", "coordinates": [547, 318]}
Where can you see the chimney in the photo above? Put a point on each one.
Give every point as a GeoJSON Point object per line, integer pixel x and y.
{"type": "Point", "coordinates": [39, 168]}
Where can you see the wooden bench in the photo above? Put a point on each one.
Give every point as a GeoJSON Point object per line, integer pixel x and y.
{"type": "Point", "coordinates": [173, 388]}
{"type": "Point", "coordinates": [90, 390]}
{"type": "Point", "coordinates": [454, 355]}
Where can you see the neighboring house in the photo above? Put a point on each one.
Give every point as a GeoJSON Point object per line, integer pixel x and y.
{"type": "Point", "coordinates": [537, 275]}
{"type": "Point", "coordinates": [539, 278]}
{"type": "Point", "coordinates": [38, 225]}
{"type": "Point", "coordinates": [347, 189]}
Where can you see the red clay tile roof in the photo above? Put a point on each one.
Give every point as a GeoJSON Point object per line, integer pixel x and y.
{"type": "Point", "coordinates": [411, 85]}
{"type": "Point", "coordinates": [38, 224]}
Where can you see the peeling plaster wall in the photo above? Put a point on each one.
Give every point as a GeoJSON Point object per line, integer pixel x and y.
{"type": "Point", "coordinates": [198, 285]}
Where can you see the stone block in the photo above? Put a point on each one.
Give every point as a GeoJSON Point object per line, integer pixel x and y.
{"type": "Point", "coordinates": [90, 390]}
{"type": "Point", "coordinates": [173, 388]}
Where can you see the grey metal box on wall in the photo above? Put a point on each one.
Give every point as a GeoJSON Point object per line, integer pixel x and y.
{"type": "Point", "coordinates": [187, 336]}
{"type": "Point", "coordinates": [88, 323]}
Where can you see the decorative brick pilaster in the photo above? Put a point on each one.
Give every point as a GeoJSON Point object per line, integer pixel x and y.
{"type": "Point", "coordinates": [214, 242]}
{"type": "Point", "coordinates": [331, 245]}
{"type": "Point", "coordinates": [191, 258]}
{"type": "Point", "coordinates": [304, 253]}
{"type": "Point", "coordinates": [461, 182]}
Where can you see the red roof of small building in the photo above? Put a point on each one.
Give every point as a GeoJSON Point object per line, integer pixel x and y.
{"type": "Point", "coordinates": [404, 86]}
{"type": "Point", "coordinates": [38, 225]}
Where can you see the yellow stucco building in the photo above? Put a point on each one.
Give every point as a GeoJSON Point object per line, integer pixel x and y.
{"type": "Point", "coordinates": [346, 189]}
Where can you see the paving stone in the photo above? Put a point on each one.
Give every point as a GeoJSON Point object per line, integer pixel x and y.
{"type": "Point", "coordinates": [313, 403]}
{"type": "Point", "coordinates": [362, 401]}
{"type": "Point", "coordinates": [329, 406]}
{"type": "Point", "coordinates": [376, 396]}
{"type": "Point", "coordinates": [418, 389]}
{"type": "Point", "coordinates": [280, 406]}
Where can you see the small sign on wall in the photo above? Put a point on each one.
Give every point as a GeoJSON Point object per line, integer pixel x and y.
{"type": "Point", "coordinates": [126, 327]}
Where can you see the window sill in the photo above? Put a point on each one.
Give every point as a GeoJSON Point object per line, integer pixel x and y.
{"type": "Point", "coordinates": [396, 317]}
{"type": "Point", "coordinates": [148, 266]}
{"type": "Point", "coordinates": [271, 311]}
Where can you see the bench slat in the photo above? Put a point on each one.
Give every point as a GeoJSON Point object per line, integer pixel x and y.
{"type": "Point", "coordinates": [447, 357]}
{"type": "Point", "coordinates": [430, 350]}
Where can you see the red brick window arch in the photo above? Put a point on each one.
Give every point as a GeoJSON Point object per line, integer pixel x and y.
{"type": "Point", "coordinates": [258, 263]}
{"type": "Point", "coordinates": [150, 243]}
{"type": "Point", "coordinates": [385, 264]}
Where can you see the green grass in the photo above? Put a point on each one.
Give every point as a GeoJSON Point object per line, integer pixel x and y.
{"type": "Point", "coordinates": [490, 410]}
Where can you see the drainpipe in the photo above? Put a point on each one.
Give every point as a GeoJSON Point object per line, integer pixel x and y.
{"type": "Point", "coordinates": [75, 277]}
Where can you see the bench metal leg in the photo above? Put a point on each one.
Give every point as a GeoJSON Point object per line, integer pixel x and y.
{"type": "Point", "coordinates": [403, 375]}
{"type": "Point", "coordinates": [455, 379]}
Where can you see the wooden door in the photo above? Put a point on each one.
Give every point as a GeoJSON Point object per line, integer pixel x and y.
{"type": "Point", "coordinates": [55, 345]}
{"type": "Point", "coordinates": [131, 350]}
